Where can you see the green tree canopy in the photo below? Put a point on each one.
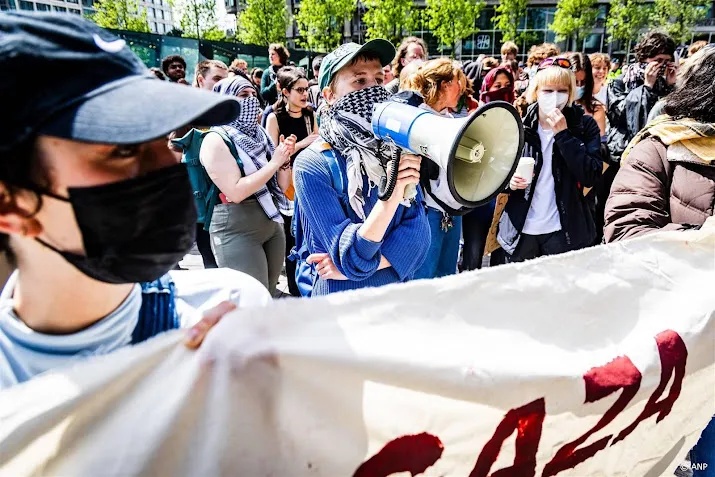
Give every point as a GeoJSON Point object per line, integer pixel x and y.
{"type": "Point", "coordinates": [574, 19]}
{"type": "Point", "coordinates": [679, 17]}
{"type": "Point", "coordinates": [453, 20]}
{"type": "Point", "coordinates": [509, 15]}
{"type": "Point", "coordinates": [262, 22]}
{"type": "Point", "coordinates": [198, 20]}
{"type": "Point", "coordinates": [626, 20]}
{"type": "Point", "coordinates": [120, 15]}
{"type": "Point", "coordinates": [322, 22]}
{"type": "Point", "coordinates": [389, 19]}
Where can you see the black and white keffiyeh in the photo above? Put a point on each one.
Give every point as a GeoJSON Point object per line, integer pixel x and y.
{"type": "Point", "coordinates": [252, 139]}
{"type": "Point", "coordinates": [346, 125]}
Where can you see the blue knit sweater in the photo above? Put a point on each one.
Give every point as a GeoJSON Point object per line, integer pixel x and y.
{"type": "Point", "coordinates": [329, 228]}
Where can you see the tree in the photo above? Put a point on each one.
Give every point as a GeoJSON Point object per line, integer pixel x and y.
{"type": "Point", "coordinates": [322, 22]}
{"type": "Point", "coordinates": [626, 19]}
{"type": "Point", "coordinates": [678, 17]}
{"type": "Point", "coordinates": [389, 19]}
{"type": "Point", "coordinates": [508, 18]}
{"type": "Point", "coordinates": [198, 20]}
{"type": "Point", "coordinates": [453, 20]}
{"type": "Point", "coordinates": [574, 19]}
{"type": "Point", "coordinates": [262, 22]}
{"type": "Point", "coordinates": [120, 15]}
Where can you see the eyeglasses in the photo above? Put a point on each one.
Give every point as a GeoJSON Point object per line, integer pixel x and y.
{"type": "Point", "coordinates": [554, 61]}
{"type": "Point", "coordinates": [300, 90]}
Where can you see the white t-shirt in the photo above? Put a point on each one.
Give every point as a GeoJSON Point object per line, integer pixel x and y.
{"type": "Point", "coordinates": [25, 353]}
{"type": "Point", "coordinates": [543, 216]}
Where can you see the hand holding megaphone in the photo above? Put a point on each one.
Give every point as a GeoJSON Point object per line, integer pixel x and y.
{"type": "Point", "coordinates": [408, 176]}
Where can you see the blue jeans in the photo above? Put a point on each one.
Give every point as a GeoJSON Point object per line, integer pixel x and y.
{"type": "Point", "coordinates": [443, 248]}
{"type": "Point", "coordinates": [704, 453]}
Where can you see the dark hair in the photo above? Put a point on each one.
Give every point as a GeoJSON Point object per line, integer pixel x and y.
{"type": "Point", "coordinates": [402, 53]}
{"type": "Point", "coordinates": [317, 61]}
{"type": "Point", "coordinates": [20, 171]}
{"type": "Point", "coordinates": [581, 62]}
{"type": "Point", "coordinates": [695, 95]}
{"type": "Point", "coordinates": [257, 72]}
{"type": "Point", "coordinates": [169, 60]}
{"type": "Point", "coordinates": [158, 73]}
{"type": "Point", "coordinates": [287, 77]}
{"type": "Point", "coordinates": [654, 43]}
{"type": "Point", "coordinates": [281, 51]}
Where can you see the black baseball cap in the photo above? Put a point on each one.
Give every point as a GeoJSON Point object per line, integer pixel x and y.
{"type": "Point", "coordinates": [64, 76]}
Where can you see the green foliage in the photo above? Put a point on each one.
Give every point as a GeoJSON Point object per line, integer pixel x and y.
{"type": "Point", "coordinates": [262, 22]}
{"type": "Point", "coordinates": [678, 17]}
{"type": "Point", "coordinates": [453, 20]}
{"type": "Point", "coordinates": [120, 15]}
{"type": "Point", "coordinates": [198, 20]}
{"type": "Point", "coordinates": [389, 19]}
{"type": "Point", "coordinates": [509, 16]}
{"type": "Point", "coordinates": [574, 19]}
{"type": "Point", "coordinates": [322, 22]}
{"type": "Point", "coordinates": [626, 19]}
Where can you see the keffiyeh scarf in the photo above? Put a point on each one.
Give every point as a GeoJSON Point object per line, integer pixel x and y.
{"type": "Point", "coordinates": [248, 136]}
{"type": "Point", "coordinates": [346, 125]}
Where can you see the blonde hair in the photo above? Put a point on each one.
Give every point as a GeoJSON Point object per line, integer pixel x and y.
{"type": "Point", "coordinates": [552, 76]}
{"type": "Point", "coordinates": [430, 76]}
{"type": "Point", "coordinates": [599, 60]}
{"type": "Point", "coordinates": [407, 73]}
{"type": "Point", "coordinates": [509, 47]}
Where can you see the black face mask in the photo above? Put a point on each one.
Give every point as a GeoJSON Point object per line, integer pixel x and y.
{"type": "Point", "coordinates": [135, 230]}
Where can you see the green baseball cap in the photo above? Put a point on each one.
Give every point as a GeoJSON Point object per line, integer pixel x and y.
{"type": "Point", "coordinates": [342, 55]}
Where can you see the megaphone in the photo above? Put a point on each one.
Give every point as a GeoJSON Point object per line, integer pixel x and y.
{"type": "Point", "coordinates": [479, 152]}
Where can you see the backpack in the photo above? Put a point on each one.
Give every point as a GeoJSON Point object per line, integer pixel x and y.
{"type": "Point", "coordinates": [305, 274]}
{"type": "Point", "coordinates": [206, 194]}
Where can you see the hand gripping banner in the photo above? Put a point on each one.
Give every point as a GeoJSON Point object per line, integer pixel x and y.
{"type": "Point", "coordinates": [594, 363]}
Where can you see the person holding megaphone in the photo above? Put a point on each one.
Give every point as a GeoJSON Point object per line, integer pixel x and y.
{"type": "Point", "coordinates": [355, 240]}
{"type": "Point", "coordinates": [547, 213]}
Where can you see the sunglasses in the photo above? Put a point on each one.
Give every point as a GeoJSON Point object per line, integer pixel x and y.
{"type": "Point", "coordinates": [554, 61]}
{"type": "Point", "coordinates": [300, 90]}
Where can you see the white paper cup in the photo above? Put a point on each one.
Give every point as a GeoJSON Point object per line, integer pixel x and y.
{"type": "Point", "coordinates": [525, 169]}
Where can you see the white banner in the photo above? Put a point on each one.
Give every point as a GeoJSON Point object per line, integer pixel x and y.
{"type": "Point", "coordinates": [594, 363]}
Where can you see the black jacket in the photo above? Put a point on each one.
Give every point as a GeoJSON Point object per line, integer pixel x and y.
{"type": "Point", "coordinates": [576, 164]}
{"type": "Point", "coordinates": [628, 113]}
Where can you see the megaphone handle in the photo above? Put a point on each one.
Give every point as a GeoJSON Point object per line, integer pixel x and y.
{"type": "Point", "coordinates": [410, 191]}
{"type": "Point", "coordinates": [387, 184]}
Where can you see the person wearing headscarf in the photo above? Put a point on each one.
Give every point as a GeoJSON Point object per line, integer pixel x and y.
{"type": "Point", "coordinates": [354, 239]}
{"type": "Point", "coordinates": [498, 85]}
{"type": "Point", "coordinates": [251, 176]}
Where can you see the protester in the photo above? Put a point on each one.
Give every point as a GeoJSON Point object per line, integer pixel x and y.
{"type": "Point", "coordinates": [441, 83]}
{"type": "Point", "coordinates": [256, 76]}
{"type": "Point", "coordinates": [158, 73]}
{"type": "Point", "coordinates": [356, 240]}
{"type": "Point", "coordinates": [407, 73]}
{"type": "Point", "coordinates": [695, 47]}
{"type": "Point", "coordinates": [509, 52]}
{"type": "Point", "coordinates": [251, 174]}
{"type": "Point", "coordinates": [174, 67]}
{"type": "Point", "coordinates": [600, 65]}
{"type": "Point", "coordinates": [387, 71]}
{"type": "Point", "coordinates": [412, 48]}
{"type": "Point", "coordinates": [477, 70]}
{"type": "Point", "coordinates": [667, 180]}
{"type": "Point", "coordinates": [278, 56]}
{"type": "Point", "coordinates": [314, 96]}
{"type": "Point", "coordinates": [581, 66]}
{"type": "Point", "coordinates": [635, 92]}
{"type": "Point", "coordinates": [239, 64]}
{"type": "Point", "coordinates": [549, 214]}
{"type": "Point", "coordinates": [498, 85]}
{"type": "Point", "coordinates": [96, 209]}
{"type": "Point", "coordinates": [539, 53]}
{"type": "Point", "coordinates": [292, 116]}
{"type": "Point", "coordinates": [616, 70]}
{"type": "Point", "coordinates": [208, 73]}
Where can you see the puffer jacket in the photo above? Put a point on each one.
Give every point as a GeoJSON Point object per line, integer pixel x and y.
{"type": "Point", "coordinates": [576, 164]}
{"type": "Point", "coordinates": [659, 188]}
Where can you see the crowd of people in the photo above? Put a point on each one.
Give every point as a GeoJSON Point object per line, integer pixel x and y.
{"type": "Point", "coordinates": [283, 169]}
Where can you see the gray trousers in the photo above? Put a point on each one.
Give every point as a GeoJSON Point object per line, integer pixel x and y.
{"type": "Point", "coordinates": [245, 239]}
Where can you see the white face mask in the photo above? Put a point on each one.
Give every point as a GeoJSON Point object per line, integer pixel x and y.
{"type": "Point", "coordinates": [548, 102]}
{"type": "Point", "coordinates": [579, 91]}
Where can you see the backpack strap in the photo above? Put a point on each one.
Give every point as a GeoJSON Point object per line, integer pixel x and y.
{"type": "Point", "coordinates": [158, 311]}
{"type": "Point", "coordinates": [231, 148]}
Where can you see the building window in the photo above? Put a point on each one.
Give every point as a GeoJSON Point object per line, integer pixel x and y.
{"type": "Point", "coordinates": [41, 7]}
{"type": "Point", "coordinates": [154, 28]}
{"type": "Point", "coordinates": [26, 5]}
{"type": "Point", "coordinates": [72, 1]}
{"type": "Point", "coordinates": [60, 9]}
{"type": "Point", "coordinates": [152, 12]}
{"type": "Point", "coordinates": [161, 14]}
